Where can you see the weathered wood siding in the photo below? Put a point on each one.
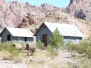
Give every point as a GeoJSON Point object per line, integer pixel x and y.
{"type": "Point", "coordinates": [28, 39]}
{"type": "Point", "coordinates": [41, 32]}
{"type": "Point", "coordinates": [39, 36]}
{"type": "Point", "coordinates": [6, 32]}
{"type": "Point", "coordinates": [4, 36]}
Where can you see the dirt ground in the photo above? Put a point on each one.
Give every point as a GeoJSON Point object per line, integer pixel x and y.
{"type": "Point", "coordinates": [40, 59]}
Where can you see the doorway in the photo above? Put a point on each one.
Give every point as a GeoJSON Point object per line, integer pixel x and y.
{"type": "Point", "coordinates": [45, 39]}
{"type": "Point", "coordinates": [8, 37]}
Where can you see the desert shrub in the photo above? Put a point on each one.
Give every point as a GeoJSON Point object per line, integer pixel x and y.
{"type": "Point", "coordinates": [40, 45]}
{"type": "Point", "coordinates": [5, 55]}
{"type": "Point", "coordinates": [19, 57]}
{"type": "Point", "coordinates": [72, 65]}
{"type": "Point", "coordinates": [69, 45]}
{"type": "Point", "coordinates": [56, 40]}
{"type": "Point", "coordinates": [8, 46]}
{"type": "Point", "coordinates": [82, 47]}
{"type": "Point", "coordinates": [88, 52]}
{"type": "Point", "coordinates": [52, 51]}
{"type": "Point", "coordinates": [11, 52]}
{"type": "Point", "coordinates": [1, 46]}
{"type": "Point", "coordinates": [11, 49]}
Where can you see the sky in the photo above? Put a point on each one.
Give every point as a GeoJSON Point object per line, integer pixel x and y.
{"type": "Point", "coordinates": [57, 3]}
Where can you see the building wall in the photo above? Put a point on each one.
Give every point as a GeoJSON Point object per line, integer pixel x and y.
{"type": "Point", "coordinates": [45, 30]}
{"type": "Point", "coordinates": [4, 36]}
{"type": "Point", "coordinates": [42, 31]}
{"type": "Point", "coordinates": [28, 39]}
{"type": "Point", "coordinates": [6, 32]}
{"type": "Point", "coordinates": [75, 40]}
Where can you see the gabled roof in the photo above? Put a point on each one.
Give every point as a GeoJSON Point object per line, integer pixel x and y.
{"type": "Point", "coordinates": [64, 29]}
{"type": "Point", "coordinates": [19, 32]}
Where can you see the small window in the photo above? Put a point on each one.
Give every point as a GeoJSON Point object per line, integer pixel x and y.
{"type": "Point", "coordinates": [25, 39]}
{"type": "Point", "coordinates": [31, 39]}
{"type": "Point", "coordinates": [8, 37]}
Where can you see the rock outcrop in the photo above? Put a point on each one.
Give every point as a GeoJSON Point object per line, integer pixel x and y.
{"type": "Point", "coordinates": [15, 14]}
{"type": "Point", "coordinates": [80, 8]}
{"type": "Point", "coordinates": [2, 2]}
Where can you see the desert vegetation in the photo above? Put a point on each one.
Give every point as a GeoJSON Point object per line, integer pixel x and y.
{"type": "Point", "coordinates": [10, 52]}
{"type": "Point", "coordinates": [55, 55]}
{"type": "Point", "coordinates": [84, 47]}
{"type": "Point", "coordinates": [80, 54]}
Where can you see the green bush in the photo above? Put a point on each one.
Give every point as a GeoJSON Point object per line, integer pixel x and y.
{"type": "Point", "coordinates": [70, 46]}
{"type": "Point", "coordinates": [56, 40]}
{"type": "Point", "coordinates": [52, 51]}
{"type": "Point", "coordinates": [16, 54]}
{"type": "Point", "coordinates": [88, 52]}
{"type": "Point", "coordinates": [9, 49]}
{"type": "Point", "coordinates": [1, 46]}
{"type": "Point", "coordinates": [82, 47]}
{"type": "Point", "coordinates": [40, 45]}
{"type": "Point", "coordinates": [8, 46]}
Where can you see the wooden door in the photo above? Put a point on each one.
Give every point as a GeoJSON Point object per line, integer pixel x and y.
{"type": "Point", "coordinates": [45, 39]}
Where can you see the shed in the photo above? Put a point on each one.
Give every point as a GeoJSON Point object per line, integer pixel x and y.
{"type": "Point", "coordinates": [16, 34]}
{"type": "Point", "coordinates": [68, 31]}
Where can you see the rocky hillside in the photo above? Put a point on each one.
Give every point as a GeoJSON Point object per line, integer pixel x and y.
{"type": "Point", "coordinates": [80, 9]}
{"type": "Point", "coordinates": [15, 14]}
{"type": "Point", "coordinates": [12, 13]}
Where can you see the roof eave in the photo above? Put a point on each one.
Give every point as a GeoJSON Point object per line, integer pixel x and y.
{"type": "Point", "coordinates": [40, 28]}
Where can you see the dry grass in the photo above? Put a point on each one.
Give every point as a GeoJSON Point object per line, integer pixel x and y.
{"type": "Point", "coordinates": [41, 59]}
{"type": "Point", "coordinates": [48, 64]}
{"type": "Point", "coordinates": [19, 58]}
{"type": "Point", "coordinates": [41, 55]}
{"type": "Point", "coordinates": [9, 52]}
{"type": "Point", "coordinates": [5, 55]}
{"type": "Point", "coordinates": [82, 62]}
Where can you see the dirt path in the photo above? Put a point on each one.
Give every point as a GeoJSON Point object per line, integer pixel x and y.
{"type": "Point", "coordinates": [10, 64]}
{"type": "Point", "coordinates": [63, 56]}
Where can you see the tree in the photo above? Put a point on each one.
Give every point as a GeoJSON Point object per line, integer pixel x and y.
{"type": "Point", "coordinates": [56, 40]}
